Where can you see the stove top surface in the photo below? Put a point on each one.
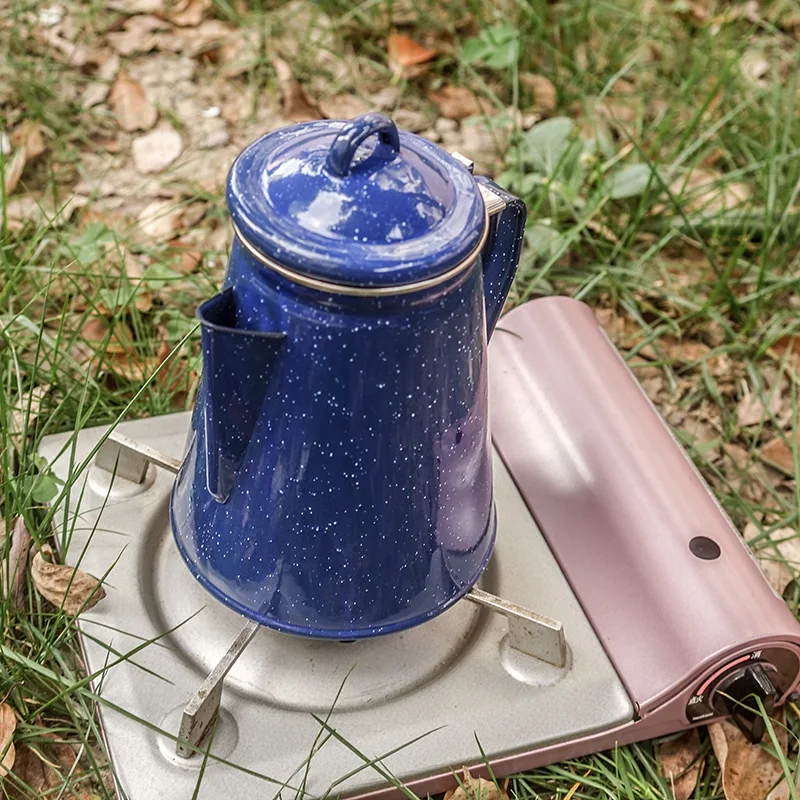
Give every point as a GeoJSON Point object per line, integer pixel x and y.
{"type": "Point", "coordinates": [450, 681]}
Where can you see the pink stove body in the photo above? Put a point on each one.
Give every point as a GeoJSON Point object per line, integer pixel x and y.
{"type": "Point", "coordinates": [669, 586]}
{"type": "Point", "coordinates": [667, 618]}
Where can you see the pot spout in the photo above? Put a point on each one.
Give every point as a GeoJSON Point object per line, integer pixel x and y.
{"type": "Point", "coordinates": [238, 365]}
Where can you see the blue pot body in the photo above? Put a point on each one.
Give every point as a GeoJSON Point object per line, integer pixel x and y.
{"type": "Point", "coordinates": [337, 480]}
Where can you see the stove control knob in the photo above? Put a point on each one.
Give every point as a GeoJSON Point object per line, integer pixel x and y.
{"type": "Point", "coordinates": [735, 696]}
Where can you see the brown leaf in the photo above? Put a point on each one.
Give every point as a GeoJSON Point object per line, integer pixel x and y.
{"type": "Point", "coordinates": [708, 191]}
{"type": "Point", "coordinates": [296, 104]}
{"type": "Point", "coordinates": [680, 763]}
{"type": "Point", "coordinates": [544, 93]}
{"type": "Point", "coordinates": [160, 220]}
{"type": "Point", "coordinates": [134, 111]}
{"type": "Point", "coordinates": [751, 409]}
{"type": "Point", "coordinates": [406, 57]}
{"type": "Point", "coordinates": [403, 50]}
{"type": "Point", "coordinates": [26, 410]}
{"type": "Point", "coordinates": [156, 150]}
{"type": "Point", "coordinates": [8, 724]}
{"type": "Point", "coordinates": [786, 345]}
{"type": "Point", "coordinates": [207, 40]}
{"type": "Point", "coordinates": [456, 102]}
{"type": "Point", "coordinates": [72, 53]}
{"type": "Point", "coordinates": [16, 564]}
{"type": "Point", "coordinates": [33, 772]}
{"type": "Point", "coordinates": [189, 13]}
{"type": "Point", "coordinates": [749, 772]}
{"type": "Point", "coordinates": [475, 789]}
{"type": "Point", "coordinates": [684, 350]}
{"type": "Point", "coordinates": [343, 106]}
{"type": "Point", "coordinates": [781, 567]}
{"type": "Point", "coordinates": [29, 136]}
{"type": "Point", "coordinates": [65, 587]}
{"type": "Point", "coordinates": [139, 35]}
{"type": "Point", "coordinates": [132, 367]}
{"type": "Point", "coordinates": [14, 169]}
{"type": "Point", "coordinates": [95, 330]}
{"type": "Point", "coordinates": [778, 451]}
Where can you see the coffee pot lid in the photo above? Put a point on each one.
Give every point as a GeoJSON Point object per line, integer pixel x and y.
{"type": "Point", "coordinates": [355, 203]}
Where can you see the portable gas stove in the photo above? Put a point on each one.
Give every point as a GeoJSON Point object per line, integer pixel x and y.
{"type": "Point", "coordinates": [650, 614]}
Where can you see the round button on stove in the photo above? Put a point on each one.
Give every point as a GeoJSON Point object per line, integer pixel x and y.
{"type": "Point", "coordinates": [704, 548]}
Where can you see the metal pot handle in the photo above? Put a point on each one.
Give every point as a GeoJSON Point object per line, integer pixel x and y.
{"type": "Point", "coordinates": [353, 134]}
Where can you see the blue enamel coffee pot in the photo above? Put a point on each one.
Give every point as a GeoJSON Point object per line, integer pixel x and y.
{"type": "Point", "coordinates": [337, 480]}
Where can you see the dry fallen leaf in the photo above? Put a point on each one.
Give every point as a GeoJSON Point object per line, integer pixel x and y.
{"type": "Point", "coordinates": [14, 169]}
{"type": "Point", "coordinates": [26, 409]}
{"type": "Point", "coordinates": [161, 219]}
{"type": "Point", "coordinates": [406, 57]}
{"type": "Point", "coordinates": [71, 53]}
{"type": "Point", "coordinates": [8, 724]}
{"type": "Point", "coordinates": [65, 587]}
{"type": "Point", "coordinates": [750, 410]}
{"type": "Point", "coordinates": [33, 772]}
{"type": "Point", "coordinates": [786, 346]}
{"type": "Point", "coordinates": [188, 13]}
{"type": "Point", "coordinates": [544, 93]}
{"type": "Point", "coordinates": [29, 135]}
{"type": "Point", "coordinates": [707, 191]}
{"type": "Point", "coordinates": [186, 257]}
{"type": "Point", "coordinates": [749, 772]}
{"type": "Point", "coordinates": [134, 111]}
{"type": "Point", "coordinates": [296, 104]}
{"type": "Point", "coordinates": [778, 452]}
{"type": "Point", "coordinates": [95, 331]}
{"type": "Point", "coordinates": [456, 102]}
{"type": "Point", "coordinates": [158, 149]}
{"type": "Point", "coordinates": [343, 106]}
{"type": "Point", "coordinates": [475, 789]}
{"type": "Point", "coordinates": [680, 763]}
{"type": "Point", "coordinates": [779, 568]}
{"type": "Point", "coordinates": [139, 34]}
{"type": "Point", "coordinates": [17, 563]}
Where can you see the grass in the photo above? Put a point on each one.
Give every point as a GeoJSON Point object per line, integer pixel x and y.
{"type": "Point", "coordinates": [663, 190]}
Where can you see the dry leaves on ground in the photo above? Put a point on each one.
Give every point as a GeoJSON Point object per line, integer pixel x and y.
{"type": "Point", "coordinates": [779, 567]}
{"type": "Point", "coordinates": [14, 170]}
{"type": "Point", "coordinates": [29, 135]}
{"type": "Point", "coordinates": [297, 106]}
{"type": "Point", "coordinates": [786, 346]}
{"type": "Point", "coordinates": [8, 724]}
{"type": "Point", "coordinates": [66, 587]}
{"type": "Point", "coordinates": [43, 766]}
{"type": "Point", "coordinates": [32, 771]}
{"type": "Point", "coordinates": [156, 150]}
{"type": "Point", "coordinates": [709, 192]}
{"type": "Point", "coordinates": [751, 409]}
{"type": "Point", "coordinates": [17, 563]}
{"type": "Point", "coordinates": [456, 102]}
{"type": "Point", "coordinates": [26, 409]}
{"type": "Point", "coordinates": [749, 772]}
{"type": "Point", "coordinates": [475, 789]}
{"type": "Point", "coordinates": [680, 763]}
{"type": "Point", "coordinates": [406, 57]}
{"type": "Point", "coordinates": [134, 111]}
{"type": "Point", "coordinates": [778, 452]}
{"type": "Point", "coordinates": [544, 93]}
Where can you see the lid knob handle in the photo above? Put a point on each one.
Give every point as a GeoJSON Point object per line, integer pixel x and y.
{"type": "Point", "coordinates": [353, 134]}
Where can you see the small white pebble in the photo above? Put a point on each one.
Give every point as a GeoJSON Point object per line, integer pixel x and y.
{"type": "Point", "coordinates": [51, 15]}
{"type": "Point", "coordinates": [217, 138]}
{"type": "Point", "coordinates": [211, 112]}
